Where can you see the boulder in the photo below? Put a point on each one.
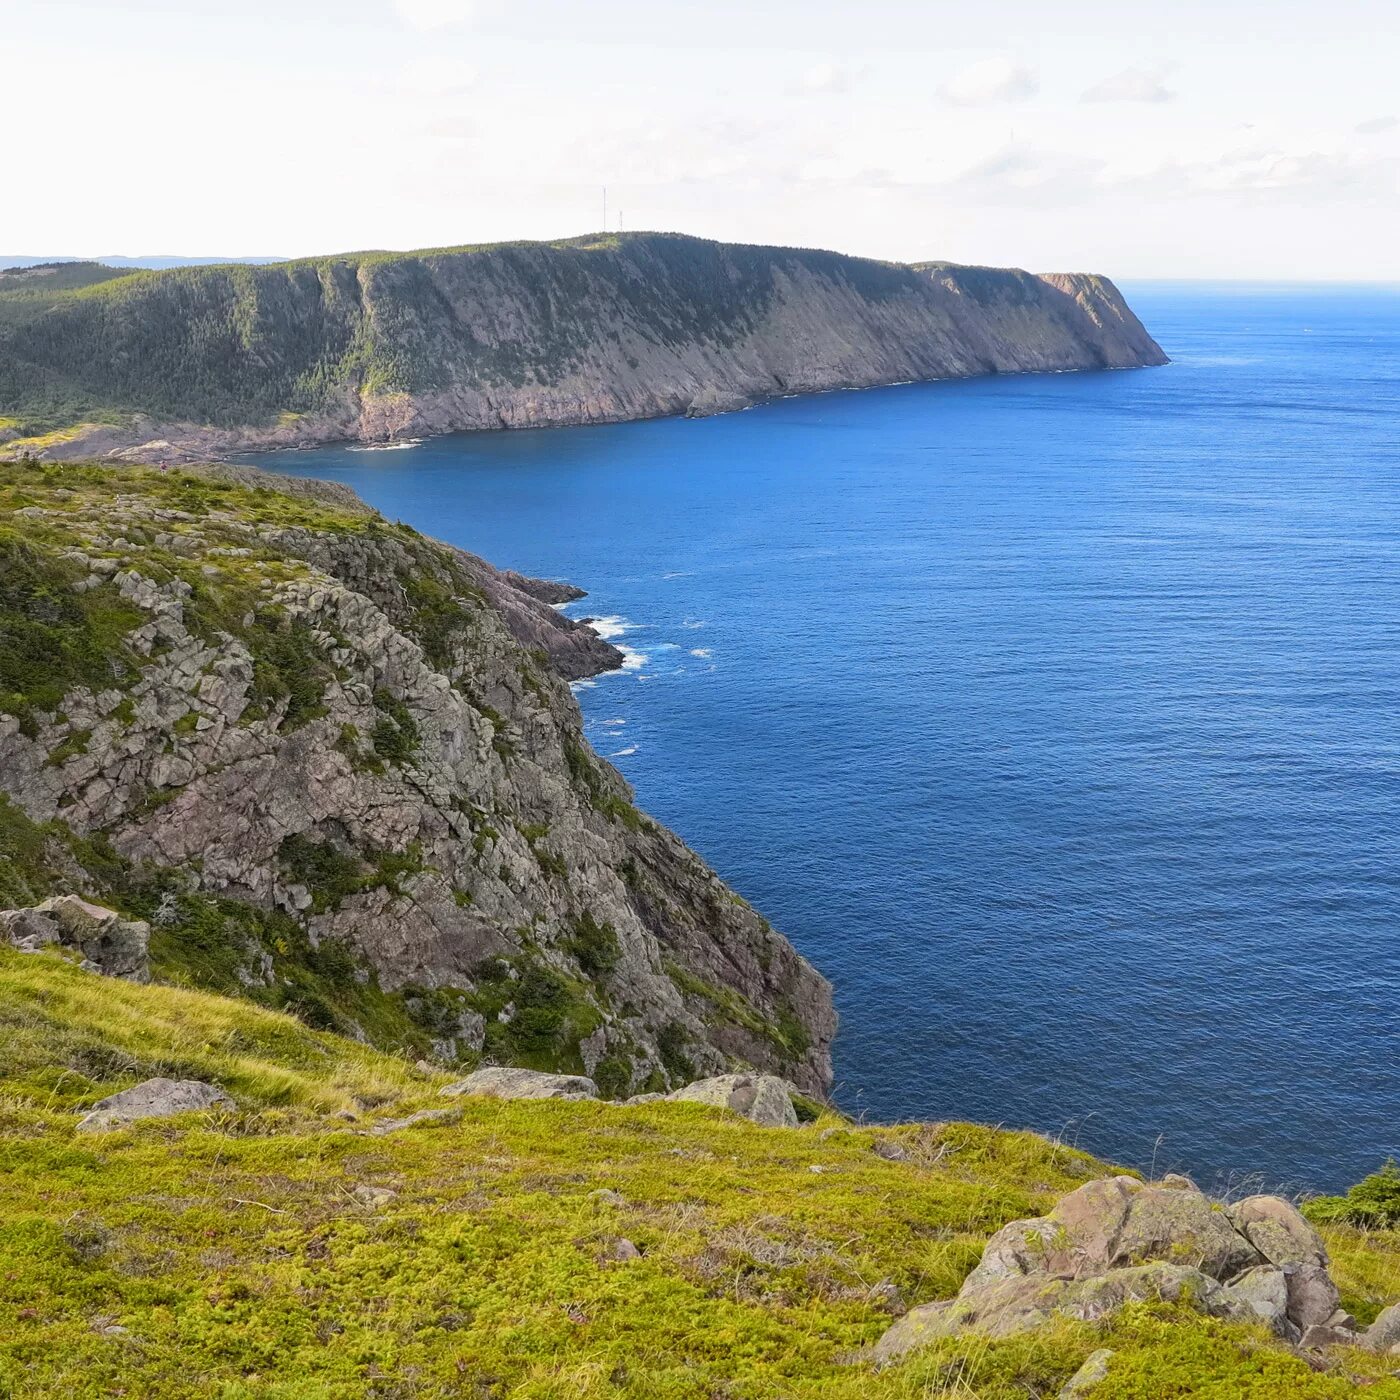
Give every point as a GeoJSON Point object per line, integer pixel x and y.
{"type": "Point", "coordinates": [156, 1098]}
{"type": "Point", "coordinates": [505, 1082]}
{"type": "Point", "coordinates": [762, 1098]}
{"type": "Point", "coordinates": [1384, 1333]}
{"type": "Point", "coordinates": [108, 943]}
{"type": "Point", "coordinates": [1263, 1292]}
{"type": "Point", "coordinates": [1083, 1381]}
{"type": "Point", "coordinates": [1120, 1240]}
{"type": "Point", "coordinates": [1277, 1229]}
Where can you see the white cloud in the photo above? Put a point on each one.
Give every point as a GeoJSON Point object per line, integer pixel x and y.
{"type": "Point", "coordinates": [825, 77]}
{"type": "Point", "coordinates": [435, 14]}
{"type": "Point", "coordinates": [1131, 85]}
{"type": "Point", "coordinates": [1376, 125]}
{"type": "Point", "coordinates": [991, 80]}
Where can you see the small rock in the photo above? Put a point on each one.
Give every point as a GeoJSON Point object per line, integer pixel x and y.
{"type": "Point", "coordinates": [156, 1098]}
{"type": "Point", "coordinates": [375, 1197]}
{"type": "Point", "coordinates": [606, 1196]}
{"type": "Point", "coordinates": [890, 1151]}
{"type": "Point", "coordinates": [1173, 1181]}
{"type": "Point", "coordinates": [1091, 1373]}
{"type": "Point", "coordinates": [1321, 1336]}
{"type": "Point", "coordinates": [414, 1120]}
{"type": "Point", "coordinates": [505, 1082]}
{"type": "Point", "coordinates": [887, 1297]}
{"type": "Point", "coordinates": [624, 1251]}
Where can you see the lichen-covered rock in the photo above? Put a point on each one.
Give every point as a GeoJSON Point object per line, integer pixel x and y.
{"type": "Point", "coordinates": [505, 1082]}
{"type": "Point", "coordinates": [1263, 1291]}
{"type": "Point", "coordinates": [155, 1098]}
{"type": "Point", "coordinates": [109, 944]}
{"type": "Point", "coordinates": [762, 1098]}
{"type": "Point", "coordinates": [1088, 1376]}
{"type": "Point", "coordinates": [1119, 1240]}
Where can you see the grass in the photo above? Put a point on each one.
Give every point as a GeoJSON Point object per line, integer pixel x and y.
{"type": "Point", "coordinates": [236, 1260]}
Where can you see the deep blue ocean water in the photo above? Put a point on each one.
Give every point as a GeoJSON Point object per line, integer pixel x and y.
{"type": "Point", "coordinates": [1055, 718]}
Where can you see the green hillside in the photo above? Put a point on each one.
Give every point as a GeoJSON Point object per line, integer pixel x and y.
{"type": "Point", "coordinates": [230, 1255]}
{"type": "Point", "coordinates": [236, 344]}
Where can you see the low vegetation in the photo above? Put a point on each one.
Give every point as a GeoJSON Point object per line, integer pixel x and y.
{"type": "Point", "coordinates": [231, 1256]}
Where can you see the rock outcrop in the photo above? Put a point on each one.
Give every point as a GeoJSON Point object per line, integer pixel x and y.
{"type": "Point", "coordinates": [295, 724]}
{"type": "Point", "coordinates": [584, 331]}
{"type": "Point", "coordinates": [1118, 1240]}
{"type": "Point", "coordinates": [155, 1098]}
{"type": "Point", "coordinates": [108, 943]}
{"type": "Point", "coordinates": [762, 1098]}
{"type": "Point", "coordinates": [508, 1082]}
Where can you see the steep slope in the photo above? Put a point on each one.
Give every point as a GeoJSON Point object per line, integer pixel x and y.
{"type": "Point", "coordinates": [335, 764]}
{"type": "Point", "coordinates": [378, 345]}
{"type": "Point", "coordinates": [290, 1248]}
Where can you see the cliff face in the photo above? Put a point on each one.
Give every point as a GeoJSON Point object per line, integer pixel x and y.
{"type": "Point", "coordinates": [335, 766]}
{"type": "Point", "coordinates": [374, 346]}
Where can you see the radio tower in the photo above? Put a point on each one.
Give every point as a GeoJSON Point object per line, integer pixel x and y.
{"type": "Point", "coordinates": [605, 208]}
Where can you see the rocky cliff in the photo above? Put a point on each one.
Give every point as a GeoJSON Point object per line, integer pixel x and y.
{"type": "Point", "coordinates": [335, 766]}
{"type": "Point", "coordinates": [377, 346]}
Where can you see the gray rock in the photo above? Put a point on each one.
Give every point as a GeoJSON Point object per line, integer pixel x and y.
{"type": "Point", "coordinates": [761, 1098]}
{"type": "Point", "coordinates": [505, 1082]}
{"type": "Point", "coordinates": [1262, 1293]}
{"type": "Point", "coordinates": [1313, 1300]}
{"type": "Point", "coordinates": [890, 1151]}
{"type": "Point", "coordinates": [374, 1197]}
{"type": "Point", "coordinates": [109, 944]}
{"type": "Point", "coordinates": [1384, 1332]}
{"type": "Point", "coordinates": [1277, 1229]}
{"type": "Point", "coordinates": [424, 1117]}
{"type": "Point", "coordinates": [1321, 1336]}
{"type": "Point", "coordinates": [624, 1251]}
{"type": "Point", "coordinates": [1090, 1374]}
{"type": "Point", "coordinates": [156, 1098]}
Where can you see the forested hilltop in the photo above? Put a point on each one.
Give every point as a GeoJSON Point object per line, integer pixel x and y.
{"type": "Point", "coordinates": [377, 345]}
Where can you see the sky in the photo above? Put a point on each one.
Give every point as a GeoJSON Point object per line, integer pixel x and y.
{"type": "Point", "coordinates": [1190, 139]}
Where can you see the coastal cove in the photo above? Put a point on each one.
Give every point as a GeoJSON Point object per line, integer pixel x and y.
{"type": "Point", "coordinates": [1052, 717]}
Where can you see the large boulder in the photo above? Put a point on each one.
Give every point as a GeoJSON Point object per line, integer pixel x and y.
{"type": "Point", "coordinates": [1118, 1240]}
{"type": "Point", "coordinates": [156, 1098]}
{"type": "Point", "coordinates": [762, 1098]}
{"type": "Point", "coordinates": [108, 943]}
{"type": "Point", "coordinates": [505, 1082]}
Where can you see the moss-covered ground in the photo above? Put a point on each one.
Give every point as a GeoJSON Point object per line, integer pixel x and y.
{"type": "Point", "coordinates": [230, 1256]}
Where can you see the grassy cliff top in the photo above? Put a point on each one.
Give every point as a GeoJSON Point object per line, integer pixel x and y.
{"type": "Point", "coordinates": [230, 1256]}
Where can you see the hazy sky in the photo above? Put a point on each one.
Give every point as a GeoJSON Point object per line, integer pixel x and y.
{"type": "Point", "coordinates": [1174, 139]}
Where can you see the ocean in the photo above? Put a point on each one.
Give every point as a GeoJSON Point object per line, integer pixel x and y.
{"type": "Point", "coordinates": [1056, 718]}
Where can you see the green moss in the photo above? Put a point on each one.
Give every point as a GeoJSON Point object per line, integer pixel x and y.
{"type": "Point", "coordinates": [53, 638]}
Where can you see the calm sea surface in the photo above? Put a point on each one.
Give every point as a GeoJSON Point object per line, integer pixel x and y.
{"type": "Point", "coordinates": [1055, 718]}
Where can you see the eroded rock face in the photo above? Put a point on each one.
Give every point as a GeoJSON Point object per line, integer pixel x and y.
{"type": "Point", "coordinates": [762, 1098]}
{"type": "Point", "coordinates": [109, 944]}
{"type": "Point", "coordinates": [1119, 1240]}
{"type": "Point", "coordinates": [155, 1098]}
{"type": "Point", "coordinates": [504, 1082]}
{"type": "Point", "coordinates": [421, 746]}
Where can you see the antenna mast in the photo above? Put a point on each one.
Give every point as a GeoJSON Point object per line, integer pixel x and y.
{"type": "Point", "coordinates": [605, 208]}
